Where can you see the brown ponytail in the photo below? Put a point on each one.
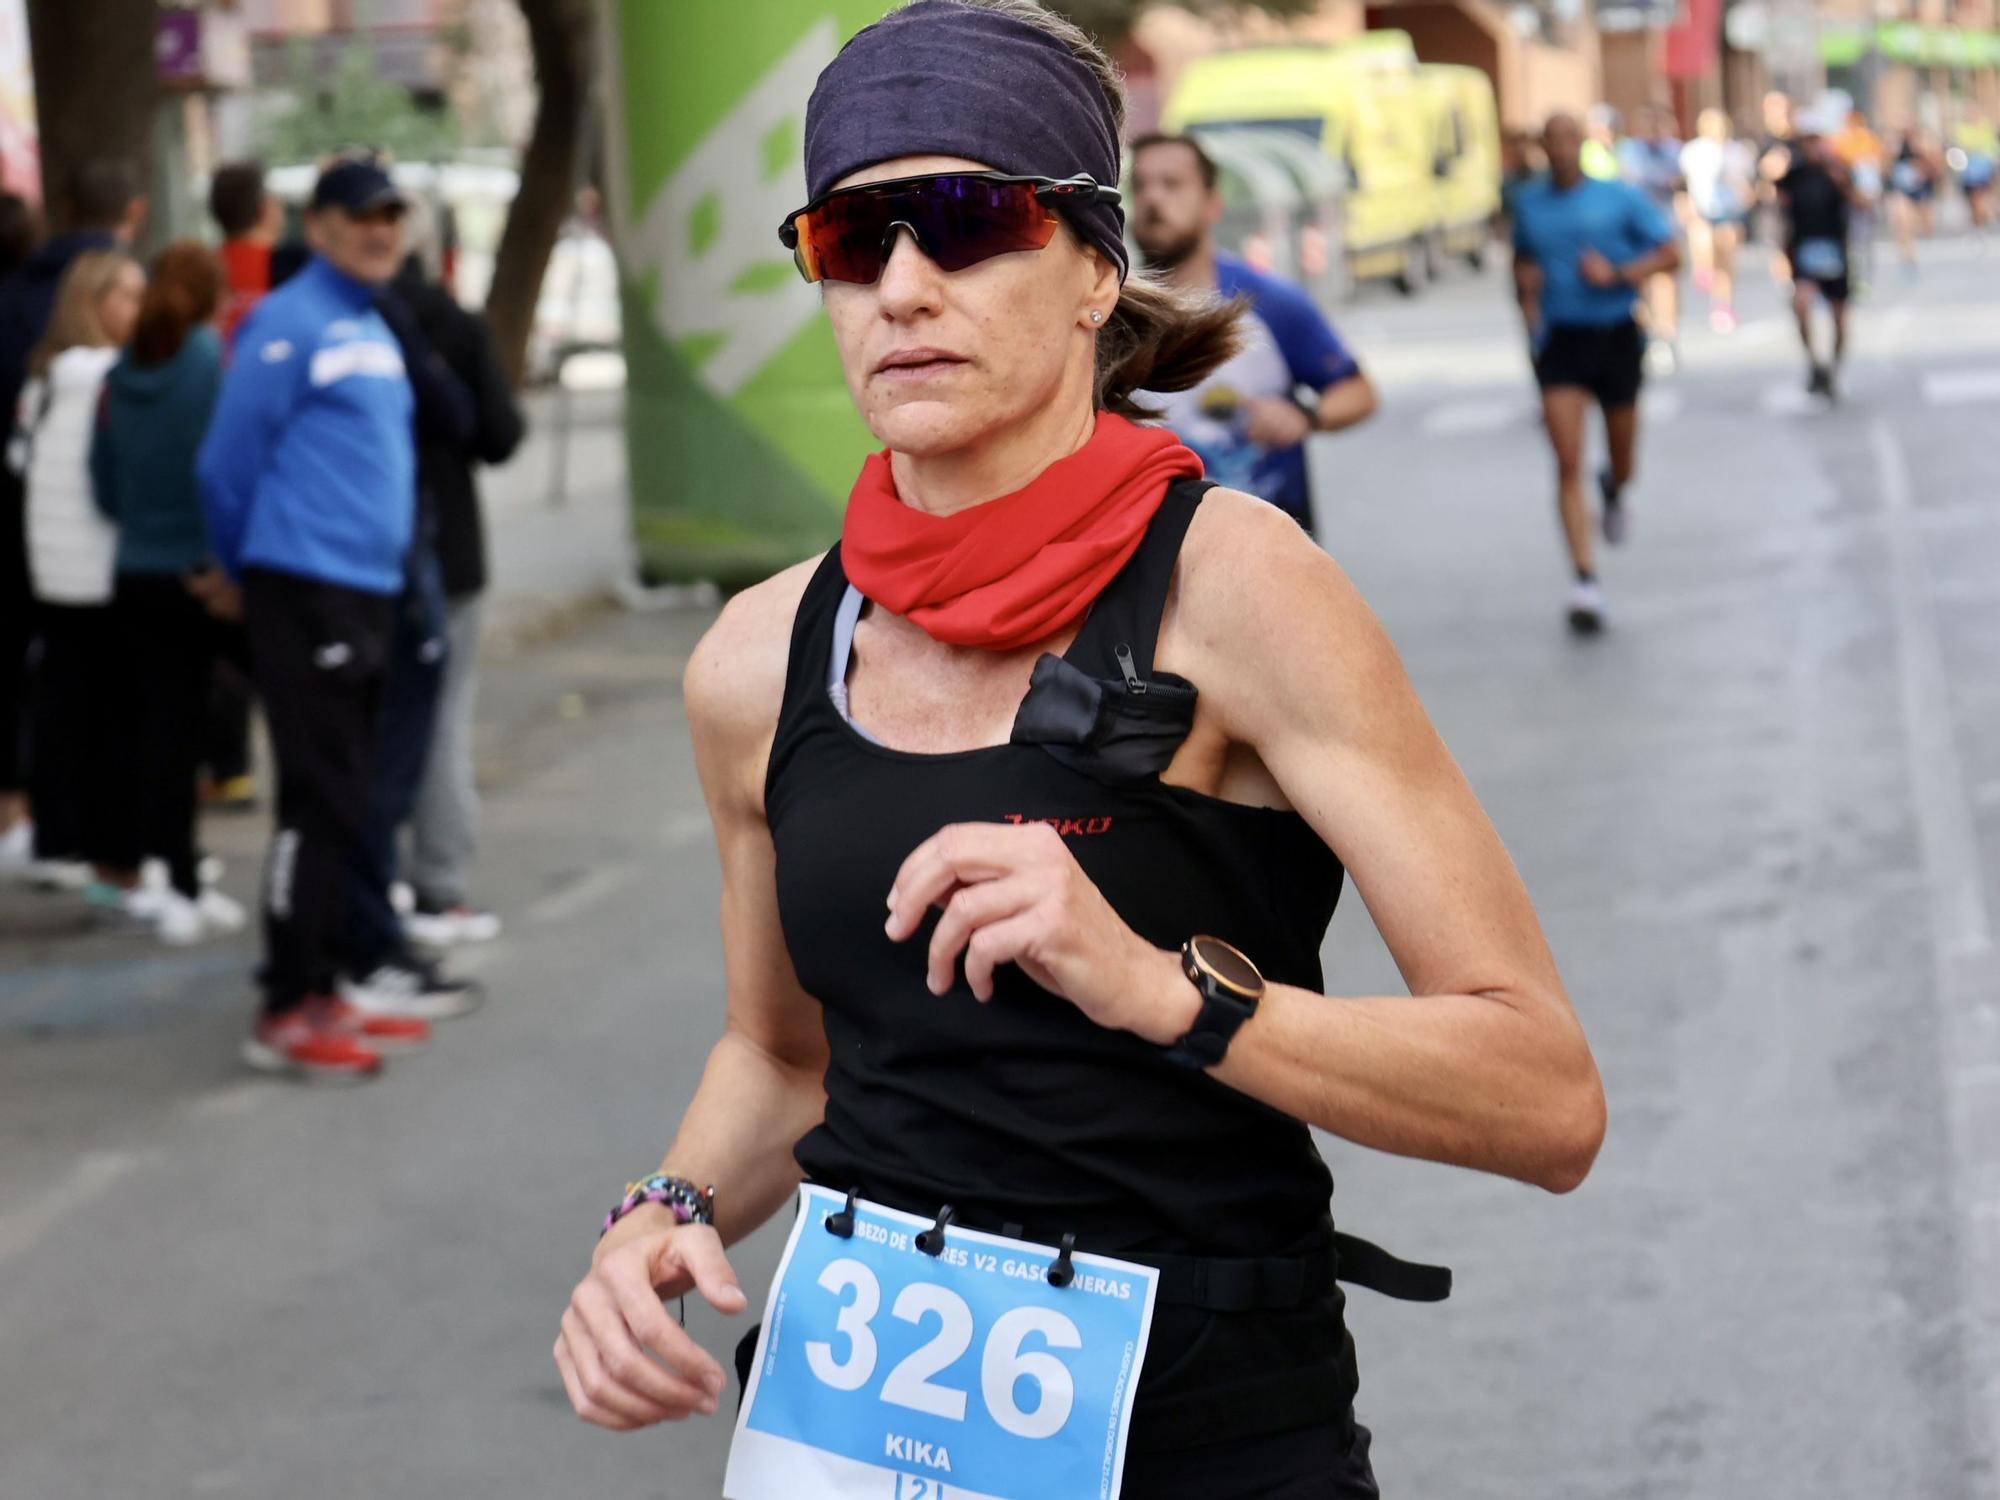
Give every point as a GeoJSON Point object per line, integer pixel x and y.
{"type": "Point", "coordinates": [1161, 338]}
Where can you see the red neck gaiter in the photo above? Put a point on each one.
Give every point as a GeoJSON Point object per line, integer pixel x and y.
{"type": "Point", "coordinates": [1014, 570]}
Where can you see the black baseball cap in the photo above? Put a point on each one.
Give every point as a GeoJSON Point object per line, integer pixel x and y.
{"type": "Point", "coordinates": [359, 187]}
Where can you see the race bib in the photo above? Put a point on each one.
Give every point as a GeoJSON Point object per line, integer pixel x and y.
{"type": "Point", "coordinates": [888, 1373]}
{"type": "Point", "coordinates": [1821, 260]}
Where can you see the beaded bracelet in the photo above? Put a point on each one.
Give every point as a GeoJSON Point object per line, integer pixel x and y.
{"type": "Point", "coordinates": [686, 1202]}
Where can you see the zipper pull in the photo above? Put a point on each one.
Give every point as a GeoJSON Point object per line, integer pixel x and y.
{"type": "Point", "coordinates": [1133, 684]}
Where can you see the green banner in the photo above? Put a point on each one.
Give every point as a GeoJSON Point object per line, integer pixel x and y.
{"type": "Point", "coordinates": [1844, 46]}
{"type": "Point", "coordinates": [1902, 41]}
{"type": "Point", "coordinates": [1915, 43]}
{"type": "Point", "coordinates": [742, 438]}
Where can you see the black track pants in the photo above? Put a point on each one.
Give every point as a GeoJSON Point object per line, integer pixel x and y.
{"type": "Point", "coordinates": [320, 655]}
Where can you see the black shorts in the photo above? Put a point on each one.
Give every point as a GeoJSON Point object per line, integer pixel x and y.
{"type": "Point", "coordinates": [1610, 362]}
{"type": "Point", "coordinates": [1328, 1462]}
{"type": "Point", "coordinates": [1835, 288]}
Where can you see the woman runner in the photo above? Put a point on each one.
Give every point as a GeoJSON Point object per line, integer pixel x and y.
{"type": "Point", "coordinates": [1721, 177]}
{"type": "Point", "coordinates": [1005, 782]}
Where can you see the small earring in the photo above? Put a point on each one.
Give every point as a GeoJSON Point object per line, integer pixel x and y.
{"type": "Point", "coordinates": [1096, 316]}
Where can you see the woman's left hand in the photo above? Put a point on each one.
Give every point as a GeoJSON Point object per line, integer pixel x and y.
{"type": "Point", "coordinates": [211, 587]}
{"type": "Point", "coordinates": [1015, 894]}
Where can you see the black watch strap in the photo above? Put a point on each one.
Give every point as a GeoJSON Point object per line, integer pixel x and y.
{"type": "Point", "coordinates": [1223, 1012]}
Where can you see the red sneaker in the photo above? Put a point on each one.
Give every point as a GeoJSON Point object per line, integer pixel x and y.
{"type": "Point", "coordinates": [301, 1044]}
{"type": "Point", "coordinates": [349, 1019]}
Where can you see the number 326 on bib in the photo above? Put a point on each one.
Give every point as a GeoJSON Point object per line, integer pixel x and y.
{"type": "Point", "coordinates": [886, 1373]}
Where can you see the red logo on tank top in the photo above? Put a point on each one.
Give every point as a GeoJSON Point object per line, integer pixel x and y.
{"type": "Point", "coordinates": [1069, 828]}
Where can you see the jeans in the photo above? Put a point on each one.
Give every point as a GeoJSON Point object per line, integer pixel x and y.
{"type": "Point", "coordinates": [444, 828]}
{"type": "Point", "coordinates": [417, 655]}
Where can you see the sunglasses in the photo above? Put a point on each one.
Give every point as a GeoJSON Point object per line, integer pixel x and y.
{"type": "Point", "coordinates": [958, 219]}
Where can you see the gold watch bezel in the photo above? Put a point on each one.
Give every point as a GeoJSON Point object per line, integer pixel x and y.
{"type": "Point", "coordinates": [1192, 951]}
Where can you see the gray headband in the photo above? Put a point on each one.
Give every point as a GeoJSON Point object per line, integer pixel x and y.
{"type": "Point", "coordinates": [938, 78]}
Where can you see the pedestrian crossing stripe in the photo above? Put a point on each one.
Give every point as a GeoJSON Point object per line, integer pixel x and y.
{"type": "Point", "coordinates": [1961, 387]}
{"type": "Point", "coordinates": [1660, 405]}
{"type": "Point", "coordinates": [1492, 414]}
{"type": "Point", "coordinates": [1788, 401]}
{"type": "Point", "coordinates": [1463, 418]}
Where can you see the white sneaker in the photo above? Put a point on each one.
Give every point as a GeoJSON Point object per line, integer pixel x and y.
{"type": "Point", "coordinates": [402, 898]}
{"type": "Point", "coordinates": [1586, 607]}
{"type": "Point", "coordinates": [455, 924]}
{"type": "Point", "coordinates": [60, 874]}
{"type": "Point", "coordinates": [179, 922]}
{"type": "Point", "coordinates": [148, 902]}
{"type": "Point", "coordinates": [223, 914]}
{"type": "Point", "coordinates": [17, 848]}
{"type": "Point", "coordinates": [396, 989]}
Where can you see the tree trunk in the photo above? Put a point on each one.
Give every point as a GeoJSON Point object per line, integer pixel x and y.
{"type": "Point", "coordinates": [95, 89]}
{"type": "Point", "coordinates": [559, 34]}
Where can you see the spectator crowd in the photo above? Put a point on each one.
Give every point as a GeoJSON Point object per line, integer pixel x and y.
{"type": "Point", "coordinates": [245, 473]}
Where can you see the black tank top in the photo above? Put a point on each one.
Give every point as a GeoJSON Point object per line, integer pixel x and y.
{"type": "Point", "coordinates": [1021, 1112]}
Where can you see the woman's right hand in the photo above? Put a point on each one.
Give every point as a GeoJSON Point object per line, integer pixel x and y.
{"type": "Point", "coordinates": [624, 1361]}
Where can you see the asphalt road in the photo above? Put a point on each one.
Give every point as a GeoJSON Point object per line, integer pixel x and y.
{"type": "Point", "coordinates": [1757, 818]}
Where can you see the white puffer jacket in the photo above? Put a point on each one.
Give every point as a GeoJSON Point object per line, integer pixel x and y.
{"type": "Point", "coordinates": [72, 548]}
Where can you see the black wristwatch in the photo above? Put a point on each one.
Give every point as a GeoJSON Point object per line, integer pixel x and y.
{"type": "Point", "coordinates": [1230, 989]}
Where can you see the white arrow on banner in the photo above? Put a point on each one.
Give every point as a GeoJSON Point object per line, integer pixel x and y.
{"type": "Point", "coordinates": [711, 234]}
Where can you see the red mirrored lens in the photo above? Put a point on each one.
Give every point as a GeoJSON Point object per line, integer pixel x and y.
{"type": "Point", "coordinates": [958, 222]}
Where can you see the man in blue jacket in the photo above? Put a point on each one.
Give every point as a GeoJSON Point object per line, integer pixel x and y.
{"type": "Point", "coordinates": [308, 483]}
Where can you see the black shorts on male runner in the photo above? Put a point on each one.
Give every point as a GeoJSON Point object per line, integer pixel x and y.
{"type": "Point", "coordinates": [1833, 285]}
{"type": "Point", "coordinates": [1609, 363]}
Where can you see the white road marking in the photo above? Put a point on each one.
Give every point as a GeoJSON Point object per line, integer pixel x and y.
{"type": "Point", "coordinates": [581, 894]}
{"type": "Point", "coordinates": [1750, 334]}
{"type": "Point", "coordinates": [232, 1100]}
{"type": "Point", "coordinates": [1479, 415]}
{"type": "Point", "coordinates": [1659, 404]}
{"type": "Point", "coordinates": [1961, 938]}
{"type": "Point", "coordinates": [1961, 387]}
{"type": "Point", "coordinates": [1788, 401]}
{"type": "Point", "coordinates": [94, 1174]}
{"type": "Point", "coordinates": [1463, 418]}
{"type": "Point", "coordinates": [1944, 812]}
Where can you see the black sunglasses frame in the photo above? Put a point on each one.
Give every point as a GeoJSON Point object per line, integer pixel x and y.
{"type": "Point", "coordinates": [1080, 189]}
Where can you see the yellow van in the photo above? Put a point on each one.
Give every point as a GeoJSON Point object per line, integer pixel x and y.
{"type": "Point", "coordinates": [1465, 145]}
{"type": "Point", "coordinates": [1365, 106]}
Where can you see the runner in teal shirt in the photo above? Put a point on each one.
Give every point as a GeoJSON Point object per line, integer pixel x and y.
{"type": "Point", "coordinates": [1554, 226]}
{"type": "Point", "coordinates": [1583, 248]}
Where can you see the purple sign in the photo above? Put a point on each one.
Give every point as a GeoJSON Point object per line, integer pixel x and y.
{"type": "Point", "coordinates": [177, 46]}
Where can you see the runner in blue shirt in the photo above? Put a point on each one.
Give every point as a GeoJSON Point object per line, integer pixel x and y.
{"type": "Point", "coordinates": [1582, 249]}
{"type": "Point", "coordinates": [1247, 420]}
